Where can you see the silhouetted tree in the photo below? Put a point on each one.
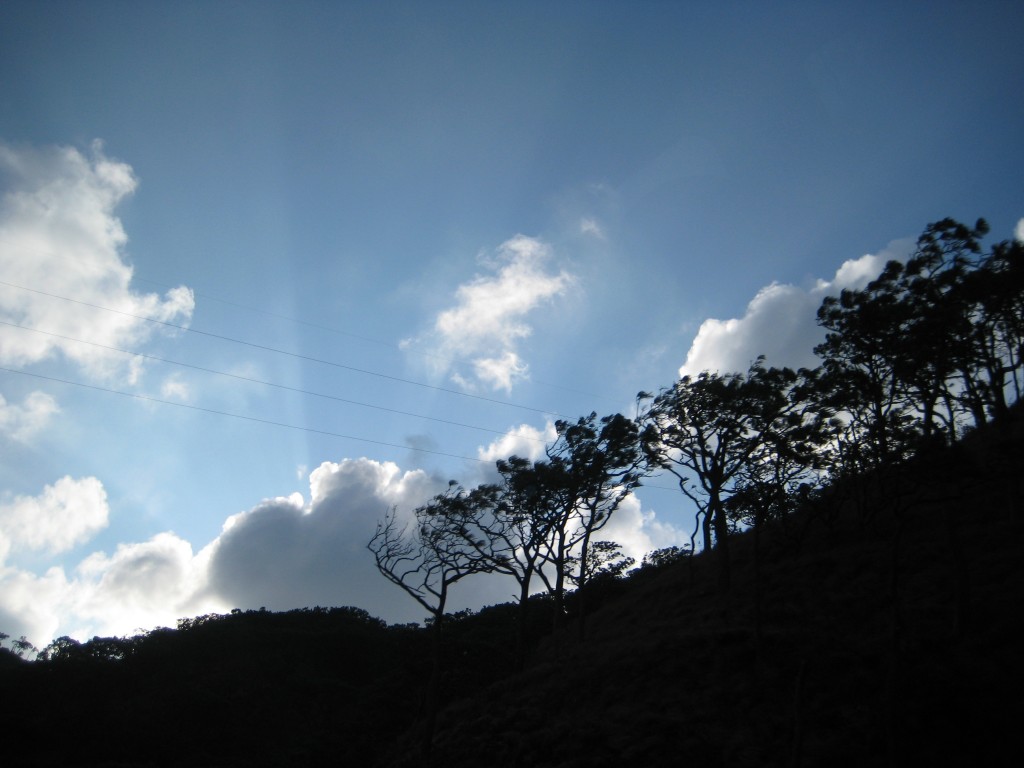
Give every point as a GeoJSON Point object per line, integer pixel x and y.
{"type": "Point", "coordinates": [929, 345]}
{"type": "Point", "coordinates": [601, 462]}
{"type": "Point", "coordinates": [661, 558]}
{"type": "Point", "coordinates": [711, 428]}
{"type": "Point", "coordinates": [426, 561]}
{"type": "Point", "coordinates": [19, 647]}
{"type": "Point", "coordinates": [785, 468]}
{"type": "Point", "coordinates": [607, 560]}
{"type": "Point", "coordinates": [975, 300]}
{"type": "Point", "coordinates": [62, 649]}
{"type": "Point", "coordinates": [858, 380]}
{"type": "Point", "coordinates": [527, 507]}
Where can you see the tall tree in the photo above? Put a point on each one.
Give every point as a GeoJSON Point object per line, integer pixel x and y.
{"type": "Point", "coordinates": [929, 345]}
{"type": "Point", "coordinates": [989, 293]}
{"type": "Point", "coordinates": [426, 561]}
{"type": "Point", "coordinates": [858, 375]}
{"type": "Point", "coordinates": [510, 525]}
{"type": "Point", "coordinates": [528, 510]}
{"type": "Point", "coordinates": [706, 430]}
{"type": "Point", "coordinates": [786, 468]}
{"type": "Point", "coordinates": [601, 461]}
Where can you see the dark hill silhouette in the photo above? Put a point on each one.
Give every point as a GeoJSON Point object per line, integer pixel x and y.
{"type": "Point", "coordinates": [889, 638]}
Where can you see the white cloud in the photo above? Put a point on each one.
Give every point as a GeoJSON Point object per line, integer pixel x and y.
{"type": "Point", "coordinates": [283, 553]}
{"type": "Point", "coordinates": [1018, 232]}
{"type": "Point", "coordinates": [487, 323]}
{"type": "Point", "coordinates": [286, 553]}
{"type": "Point", "coordinates": [776, 325]}
{"type": "Point", "coordinates": [525, 441]}
{"type": "Point", "coordinates": [63, 516]}
{"type": "Point", "coordinates": [33, 605]}
{"type": "Point", "coordinates": [175, 388]}
{"type": "Point", "coordinates": [781, 320]}
{"type": "Point", "coordinates": [142, 585]}
{"type": "Point", "coordinates": [590, 226]}
{"type": "Point", "coordinates": [59, 236]}
{"type": "Point", "coordinates": [22, 422]}
{"type": "Point", "coordinates": [500, 372]}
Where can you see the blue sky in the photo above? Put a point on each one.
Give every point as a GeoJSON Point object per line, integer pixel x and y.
{"type": "Point", "coordinates": [435, 228]}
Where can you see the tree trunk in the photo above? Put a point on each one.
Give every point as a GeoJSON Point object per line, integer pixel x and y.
{"type": "Point", "coordinates": [722, 547]}
{"type": "Point", "coordinates": [430, 699]}
{"type": "Point", "coordinates": [556, 620]}
{"type": "Point", "coordinates": [581, 595]}
{"type": "Point", "coordinates": [758, 593]}
{"type": "Point", "coordinates": [706, 529]}
{"type": "Point", "coordinates": [524, 609]}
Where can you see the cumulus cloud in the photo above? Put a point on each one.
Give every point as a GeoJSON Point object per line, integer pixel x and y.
{"type": "Point", "coordinates": [590, 226]}
{"type": "Point", "coordinates": [59, 236]}
{"type": "Point", "coordinates": [142, 585]}
{"type": "Point", "coordinates": [1018, 232]}
{"type": "Point", "coordinates": [32, 605]}
{"type": "Point", "coordinates": [64, 515]}
{"type": "Point", "coordinates": [176, 388]}
{"type": "Point", "coordinates": [778, 324]}
{"type": "Point", "coordinates": [524, 440]}
{"type": "Point", "coordinates": [287, 553]}
{"type": "Point", "coordinates": [476, 341]}
{"type": "Point", "coordinates": [781, 320]}
{"type": "Point", "coordinates": [22, 422]}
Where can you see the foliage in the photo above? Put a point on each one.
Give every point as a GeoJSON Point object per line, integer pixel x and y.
{"type": "Point", "coordinates": [665, 557]}
{"type": "Point", "coordinates": [601, 461]}
{"type": "Point", "coordinates": [709, 430]}
{"type": "Point", "coordinates": [436, 554]}
{"type": "Point", "coordinates": [928, 347]}
{"type": "Point", "coordinates": [19, 648]}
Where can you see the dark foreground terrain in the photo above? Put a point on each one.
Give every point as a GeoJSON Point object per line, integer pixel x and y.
{"type": "Point", "coordinates": [882, 626]}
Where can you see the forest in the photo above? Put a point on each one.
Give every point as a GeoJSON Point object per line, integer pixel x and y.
{"type": "Point", "coordinates": [851, 592]}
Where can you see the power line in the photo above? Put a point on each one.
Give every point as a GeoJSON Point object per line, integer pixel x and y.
{"type": "Point", "coordinates": [275, 350]}
{"type": "Point", "coordinates": [279, 316]}
{"type": "Point", "coordinates": [256, 419]}
{"type": "Point", "coordinates": [243, 417]}
{"type": "Point", "coordinates": [258, 381]}
{"type": "Point", "coordinates": [360, 337]}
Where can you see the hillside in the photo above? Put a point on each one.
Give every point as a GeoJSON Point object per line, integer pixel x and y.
{"type": "Point", "coordinates": [889, 631]}
{"type": "Point", "coordinates": [670, 671]}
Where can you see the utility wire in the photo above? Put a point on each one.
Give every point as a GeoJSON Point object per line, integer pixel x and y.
{"type": "Point", "coordinates": [285, 352]}
{"type": "Point", "coordinates": [368, 339]}
{"type": "Point", "coordinates": [243, 417]}
{"type": "Point", "coordinates": [257, 381]}
{"type": "Point", "coordinates": [268, 313]}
